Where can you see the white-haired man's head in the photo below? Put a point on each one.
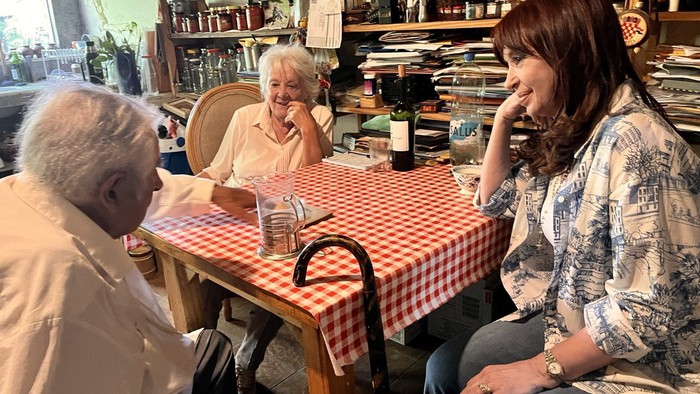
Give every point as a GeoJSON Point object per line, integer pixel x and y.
{"type": "Point", "coordinates": [92, 146]}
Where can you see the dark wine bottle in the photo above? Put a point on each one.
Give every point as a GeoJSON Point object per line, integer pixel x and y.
{"type": "Point", "coordinates": [402, 125]}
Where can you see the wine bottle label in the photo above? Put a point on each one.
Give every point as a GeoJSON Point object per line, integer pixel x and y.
{"type": "Point", "coordinates": [399, 135]}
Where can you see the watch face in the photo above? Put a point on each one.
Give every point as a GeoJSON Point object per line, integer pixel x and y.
{"type": "Point", "coordinates": [554, 368]}
{"type": "Point", "coordinates": [635, 27]}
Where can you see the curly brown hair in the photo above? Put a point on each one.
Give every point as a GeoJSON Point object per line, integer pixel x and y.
{"type": "Point", "coordinates": [582, 41]}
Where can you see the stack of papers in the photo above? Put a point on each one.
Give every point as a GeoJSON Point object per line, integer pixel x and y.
{"type": "Point", "coordinates": [676, 85]}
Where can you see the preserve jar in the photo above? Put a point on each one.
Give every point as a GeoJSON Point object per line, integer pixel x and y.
{"type": "Point", "coordinates": [213, 21]}
{"type": "Point", "coordinates": [224, 19]}
{"type": "Point", "coordinates": [241, 21]}
{"type": "Point", "coordinates": [192, 23]}
{"type": "Point", "coordinates": [178, 23]}
{"type": "Point", "coordinates": [254, 16]}
{"type": "Point", "coordinates": [493, 9]}
{"type": "Point", "coordinates": [204, 21]}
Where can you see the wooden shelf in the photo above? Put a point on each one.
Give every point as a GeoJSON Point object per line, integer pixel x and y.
{"type": "Point", "coordinates": [681, 16]}
{"type": "Point", "coordinates": [440, 116]}
{"type": "Point", "coordinates": [440, 25]}
{"type": "Point", "coordinates": [234, 34]}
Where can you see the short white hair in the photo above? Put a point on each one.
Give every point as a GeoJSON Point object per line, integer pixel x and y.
{"type": "Point", "coordinates": [75, 135]}
{"type": "Point", "coordinates": [299, 59]}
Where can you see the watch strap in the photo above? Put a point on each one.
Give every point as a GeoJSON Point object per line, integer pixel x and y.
{"type": "Point", "coordinates": [550, 360]}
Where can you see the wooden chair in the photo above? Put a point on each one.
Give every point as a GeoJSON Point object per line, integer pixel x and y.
{"type": "Point", "coordinates": [207, 125]}
{"type": "Point", "coordinates": [211, 116]}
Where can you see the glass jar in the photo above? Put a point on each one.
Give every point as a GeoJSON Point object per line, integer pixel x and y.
{"type": "Point", "coordinates": [178, 23]}
{"type": "Point", "coordinates": [212, 68]}
{"type": "Point", "coordinates": [183, 68]}
{"type": "Point", "coordinates": [227, 68]}
{"type": "Point", "coordinates": [506, 6]}
{"type": "Point", "coordinates": [213, 21]}
{"type": "Point", "coordinates": [204, 21]}
{"type": "Point", "coordinates": [240, 60]}
{"type": "Point", "coordinates": [234, 17]}
{"type": "Point", "coordinates": [493, 9]}
{"type": "Point", "coordinates": [192, 22]}
{"type": "Point", "coordinates": [469, 11]}
{"type": "Point", "coordinates": [241, 21]}
{"type": "Point", "coordinates": [479, 10]}
{"type": "Point", "coordinates": [198, 75]}
{"type": "Point", "coordinates": [224, 19]}
{"type": "Point", "coordinates": [370, 84]}
{"type": "Point", "coordinates": [254, 16]}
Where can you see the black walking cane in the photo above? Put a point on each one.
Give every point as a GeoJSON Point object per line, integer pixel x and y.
{"type": "Point", "coordinates": [373, 318]}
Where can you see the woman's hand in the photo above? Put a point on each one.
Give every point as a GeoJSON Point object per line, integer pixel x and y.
{"type": "Point", "coordinates": [235, 201]}
{"type": "Point", "coordinates": [510, 109]}
{"type": "Point", "coordinates": [520, 377]}
{"type": "Point", "coordinates": [299, 115]}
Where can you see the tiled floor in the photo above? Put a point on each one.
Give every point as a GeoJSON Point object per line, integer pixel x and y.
{"type": "Point", "coordinates": [283, 370]}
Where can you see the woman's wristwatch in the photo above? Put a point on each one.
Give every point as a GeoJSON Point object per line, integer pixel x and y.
{"type": "Point", "coordinates": [554, 368]}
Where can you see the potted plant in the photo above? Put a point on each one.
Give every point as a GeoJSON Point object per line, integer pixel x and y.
{"type": "Point", "coordinates": [122, 57]}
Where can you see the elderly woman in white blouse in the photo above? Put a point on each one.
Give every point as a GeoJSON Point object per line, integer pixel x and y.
{"type": "Point", "coordinates": [285, 132]}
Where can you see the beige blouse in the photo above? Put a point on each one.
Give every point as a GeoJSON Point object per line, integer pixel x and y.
{"type": "Point", "coordinates": [250, 147]}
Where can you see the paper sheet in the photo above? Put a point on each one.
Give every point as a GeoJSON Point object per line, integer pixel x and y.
{"type": "Point", "coordinates": [325, 24]}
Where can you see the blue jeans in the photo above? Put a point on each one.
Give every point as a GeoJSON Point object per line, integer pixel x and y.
{"type": "Point", "coordinates": [261, 330]}
{"type": "Point", "coordinates": [459, 359]}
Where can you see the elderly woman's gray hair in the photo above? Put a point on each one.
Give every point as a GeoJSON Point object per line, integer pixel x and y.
{"type": "Point", "coordinates": [75, 135]}
{"type": "Point", "coordinates": [299, 59]}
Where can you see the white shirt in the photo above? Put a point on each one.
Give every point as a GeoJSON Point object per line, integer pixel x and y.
{"type": "Point", "coordinates": [250, 147]}
{"type": "Point", "coordinates": [76, 315]}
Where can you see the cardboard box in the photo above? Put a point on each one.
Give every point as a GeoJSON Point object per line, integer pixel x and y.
{"type": "Point", "coordinates": [477, 305]}
{"type": "Point", "coordinates": [411, 332]}
{"type": "Point", "coordinates": [374, 101]}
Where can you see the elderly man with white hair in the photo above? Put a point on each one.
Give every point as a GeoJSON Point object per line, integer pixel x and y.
{"type": "Point", "coordinates": [75, 313]}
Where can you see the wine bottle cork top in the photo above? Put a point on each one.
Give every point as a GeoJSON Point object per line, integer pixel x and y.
{"type": "Point", "coordinates": [402, 70]}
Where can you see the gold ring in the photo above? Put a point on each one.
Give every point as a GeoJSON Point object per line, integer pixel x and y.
{"type": "Point", "coordinates": [484, 388]}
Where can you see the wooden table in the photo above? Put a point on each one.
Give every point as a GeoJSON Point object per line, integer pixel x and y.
{"type": "Point", "coordinates": [426, 241]}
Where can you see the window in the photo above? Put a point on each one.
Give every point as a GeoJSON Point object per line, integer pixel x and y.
{"type": "Point", "coordinates": [25, 22]}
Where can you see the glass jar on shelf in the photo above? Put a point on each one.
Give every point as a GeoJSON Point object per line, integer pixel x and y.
{"type": "Point", "coordinates": [254, 16]}
{"type": "Point", "coordinates": [224, 19]}
{"type": "Point", "coordinates": [227, 68]}
{"type": "Point", "coordinates": [192, 23]}
{"type": "Point", "coordinates": [183, 68]}
{"type": "Point", "coordinates": [198, 75]}
{"type": "Point", "coordinates": [203, 20]}
{"type": "Point", "coordinates": [240, 60]}
{"type": "Point", "coordinates": [178, 22]}
{"type": "Point", "coordinates": [213, 20]}
{"type": "Point", "coordinates": [493, 9]}
{"type": "Point", "coordinates": [212, 68]}
{"type": "Point", "coordinates": [241, 21]}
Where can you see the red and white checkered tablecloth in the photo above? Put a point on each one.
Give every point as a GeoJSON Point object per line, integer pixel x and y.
{"type": "Point", "coordinates": [425, 239]}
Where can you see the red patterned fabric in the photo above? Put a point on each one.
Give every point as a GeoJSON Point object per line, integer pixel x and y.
{"type": "Point", "coordinates": [132, 242]}
{"type": "Point", "coordinates": [425, 239]}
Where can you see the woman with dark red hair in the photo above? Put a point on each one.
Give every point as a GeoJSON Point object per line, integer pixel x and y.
{"type": "Point", "coordinates": [603, 260]}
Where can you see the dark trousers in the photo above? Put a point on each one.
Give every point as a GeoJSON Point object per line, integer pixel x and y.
{"type": "Point", "coordinates": [216, 369]}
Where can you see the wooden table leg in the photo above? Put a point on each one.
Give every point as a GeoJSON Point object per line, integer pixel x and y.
{"type": "Point", "coordinates": [319, 370]}
{"type": "Point", "coordinates": [184, 295]}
